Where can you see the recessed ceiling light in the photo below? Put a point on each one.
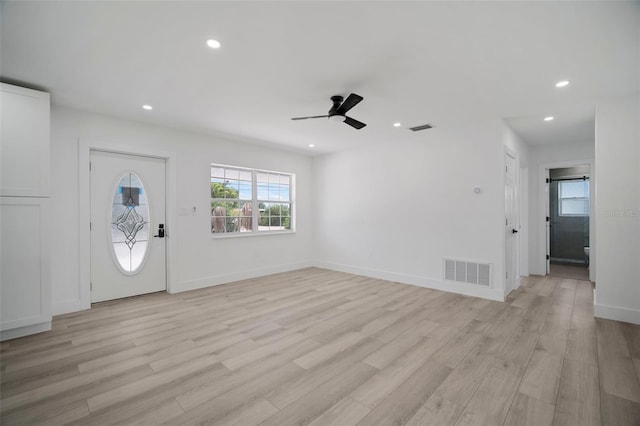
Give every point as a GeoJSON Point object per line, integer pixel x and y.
{"type": "Point", "coordinates": [562, 83]}
{"type": "Point", "coordinates": [214, 44]}
{"type": "Point", "coordinates": [548, 118]}
{"type": "Point", "coordinates": [311, 145]}
{"type": "Point", "coordinates": [397, 124]}
{"type": "Point", "coordinates": [147, 107]}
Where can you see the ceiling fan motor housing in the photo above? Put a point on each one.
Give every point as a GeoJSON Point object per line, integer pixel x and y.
{"type": "Point", "coordinates": [337, 101]}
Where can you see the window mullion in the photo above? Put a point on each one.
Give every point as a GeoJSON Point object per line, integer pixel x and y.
{"type": "Point", "coordinates": [255, 211]}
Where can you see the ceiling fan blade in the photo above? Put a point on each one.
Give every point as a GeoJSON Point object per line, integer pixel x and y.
{"type": "Point", "coordinates": [313, 116]}
{"type": "Point", "coordinates": [351, 101]}
{"type": "Point", "coordinates": [354, 123]}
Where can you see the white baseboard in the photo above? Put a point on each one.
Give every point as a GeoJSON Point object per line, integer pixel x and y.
{"type": "Point", "coordinates": [25, 331]}
{"type": "Point", "coordinates": [616, 313]}
{"type": "Point", "coordinates": [452, 287]}
{"type": "Point", "coordinates": [237, 276]}
{"type": "Point", "coordinates": [65, 307]}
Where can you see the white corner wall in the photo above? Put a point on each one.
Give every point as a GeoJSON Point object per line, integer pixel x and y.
{"type": "Point", "coordinates": [394, 211]}
{"type": "Point", "coordinates": [539, 155]}
{"type": "Point", "coordinates": [516, 144]}
{"type": "Point", "coordinates": [200, 260]}
{"type": "Point", "coordinates": [617, 294]}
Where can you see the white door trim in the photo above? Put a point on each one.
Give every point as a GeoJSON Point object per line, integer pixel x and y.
{"type": "Point", "coordinates": [523, 222]}
{"type": "Point", "coordinates": [84, 215]}
{"type": "Point", "coordinates": [543, 211]}
{"type": "Point", "coordinates": [513, 154]}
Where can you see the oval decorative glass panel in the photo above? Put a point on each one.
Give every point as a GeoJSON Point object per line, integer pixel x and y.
{"type": "Point", "coordinates": [129, 224]}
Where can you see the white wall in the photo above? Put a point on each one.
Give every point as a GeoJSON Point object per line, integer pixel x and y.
{"type": "Point", "coordinates": [394, 211]}
{"type": "Point", "coordinates": [552, 153]}
{"type": "Point", "coordinates": [517, 144]}
{"type": "Point", "coordinates": [618, 210]}
{"type": "Point", "coordinates": [391, 211]}
{"type": "Point", "coordinates": [200, 260]}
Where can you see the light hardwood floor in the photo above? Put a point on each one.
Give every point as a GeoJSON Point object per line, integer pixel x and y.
{"type": "Point", "coordinates": [578, 272]}
{"type": "Point", "coordinates": [326, 348]}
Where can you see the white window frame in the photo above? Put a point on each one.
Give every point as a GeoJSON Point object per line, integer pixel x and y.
{"type": "Point", "coordinates": [561, 198]}
{"type": "Point", "coordinates": [255, 202]}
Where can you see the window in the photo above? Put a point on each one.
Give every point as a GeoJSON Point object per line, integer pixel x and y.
{"type": "Point", "coordinates": [129, 223]}
{"type": "Point", "coordinates": [573, 198]}
{"type": "Point", "coordinates": [250, 201]}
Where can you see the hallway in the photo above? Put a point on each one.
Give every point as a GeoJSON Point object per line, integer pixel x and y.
{"type": "Point", "coordinates": [576, 272]}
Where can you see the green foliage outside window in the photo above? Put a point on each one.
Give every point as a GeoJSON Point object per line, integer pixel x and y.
{"type": "Point", "coordinates": [275, 215]}
{"type": "Point", "coordinates": [231, 207]}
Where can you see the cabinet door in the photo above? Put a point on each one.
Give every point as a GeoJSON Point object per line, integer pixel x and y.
{"type": "Point", "coordinates": [25, 288]}
{"type": "Point", "coordinates": [24, 142]}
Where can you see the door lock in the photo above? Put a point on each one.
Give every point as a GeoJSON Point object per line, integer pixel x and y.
{"type": "Point", "coordinates": [160, 231]}
{"type": "Point", "coordinates": [514, 231]}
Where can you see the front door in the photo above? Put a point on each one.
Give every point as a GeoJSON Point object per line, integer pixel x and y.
{"type": "Point", "coordinates": [128, 254]}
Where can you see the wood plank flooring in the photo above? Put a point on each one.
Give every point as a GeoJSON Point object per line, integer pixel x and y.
{"type": "Point", "coordinates": [577, 272]}
{"type": "Point", "coordinates": [317, 347]}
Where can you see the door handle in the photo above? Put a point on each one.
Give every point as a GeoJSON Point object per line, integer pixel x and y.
{"type": "Point", "coordinates": [514, 231]}
{"type": "Point", "coordinates": [160, 231]}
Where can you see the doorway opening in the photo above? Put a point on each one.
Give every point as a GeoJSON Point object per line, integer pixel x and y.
{"type": "Point", "coordinates": [568, 222]}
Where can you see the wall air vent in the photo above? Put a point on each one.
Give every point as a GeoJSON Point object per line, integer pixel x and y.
{"type": "Point", "coordinates": [422, 127]}
{"type": "Point", "coordinates": [467, 272]}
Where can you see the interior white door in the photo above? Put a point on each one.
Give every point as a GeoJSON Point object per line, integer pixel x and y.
{"type": "Point", "coordinates": [511, 228]}
{"type": "Point", "coordinates": [547, 209]}
{"type": "Point", "coordinates": [128, 251]}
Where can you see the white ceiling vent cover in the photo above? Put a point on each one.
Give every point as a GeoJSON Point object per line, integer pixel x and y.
{"type": "Point", "coordinates": [467, 272]}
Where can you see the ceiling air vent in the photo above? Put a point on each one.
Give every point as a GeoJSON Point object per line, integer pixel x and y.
{"type": "Point", "coordinates": [422, 127]}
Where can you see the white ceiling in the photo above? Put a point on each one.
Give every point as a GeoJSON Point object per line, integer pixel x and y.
{"type": "Point", "coordinates": [571, 124]}
{"type": "Point", "coordinates": [446, 63]}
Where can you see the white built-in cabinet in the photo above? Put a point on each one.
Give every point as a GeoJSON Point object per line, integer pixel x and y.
{"type": "Point", "coordinates": [25, 283]}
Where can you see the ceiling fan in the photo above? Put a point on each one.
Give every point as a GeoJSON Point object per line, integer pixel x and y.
{"type": "Point", "coordinates": [339, 109]}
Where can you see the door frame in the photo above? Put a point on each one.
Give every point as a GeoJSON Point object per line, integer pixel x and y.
{"type": "Point", "coordinates": [84, 214]}
{"type": "Point", "coordinates": [547, 224]}
{"type": "Point", "coordinates": [523, 206]}
{"type": "Point", "coordinates": [516, 216]}
{"type": "Point", "coordinates": [543, 211]}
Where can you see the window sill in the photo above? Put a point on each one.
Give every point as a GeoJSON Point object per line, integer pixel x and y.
{"type": "Point", "coordinates": [249, 234]}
